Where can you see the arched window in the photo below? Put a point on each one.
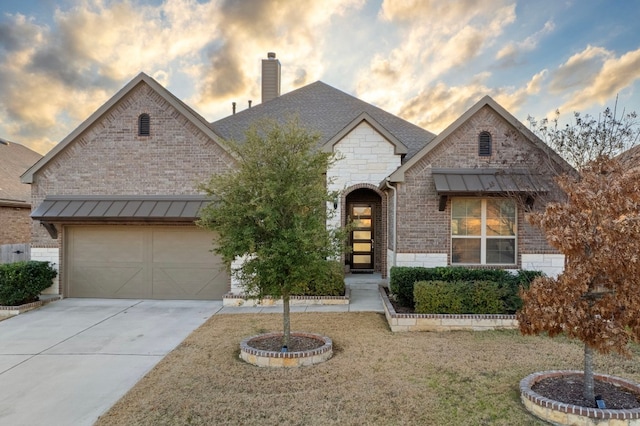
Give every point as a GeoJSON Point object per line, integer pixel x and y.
{"type": "Point", "coordinates": [144, 125]}
{"type": "Point", "coordinates": [484, 144]}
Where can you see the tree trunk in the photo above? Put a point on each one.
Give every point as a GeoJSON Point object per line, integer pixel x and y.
{"type": "Point", "coordinates": [286, 319]}
{"type": "Point", "coordinates": [588, 391]}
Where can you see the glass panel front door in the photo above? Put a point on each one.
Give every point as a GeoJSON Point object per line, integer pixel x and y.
{"type": "Point", "coordinates": [362, 236]}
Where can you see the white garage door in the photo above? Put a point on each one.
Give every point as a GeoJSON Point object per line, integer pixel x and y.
{"type": "Point", "coordinates": [150, 262]}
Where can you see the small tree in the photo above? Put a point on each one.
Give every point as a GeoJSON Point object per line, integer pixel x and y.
{"type": "Point", "coordinates": [597, 297]}
{"type": "Point", "coordinates": [588, 137]}
{"type": "Point", "coordinates": [271, 211]}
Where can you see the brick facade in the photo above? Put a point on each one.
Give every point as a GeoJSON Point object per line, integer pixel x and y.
{"type": "Point", "coordinates": [109, 158]}
{"type": "Point", "coordinates": [16, 225]}
{"type": "Point", "coordinates": [424, 231]}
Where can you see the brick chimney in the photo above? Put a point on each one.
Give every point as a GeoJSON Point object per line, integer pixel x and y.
{"type": "Point", "coordinates": [270, 77]}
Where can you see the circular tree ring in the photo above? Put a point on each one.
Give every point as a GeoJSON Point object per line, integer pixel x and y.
{"type": "Point", "coordinates": [559, 413]}
{"type": "Point", "coordinates": [264, 358]}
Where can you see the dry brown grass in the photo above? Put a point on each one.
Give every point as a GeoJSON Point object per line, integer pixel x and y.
{"type": "Point", "coordinates": [375, 377]}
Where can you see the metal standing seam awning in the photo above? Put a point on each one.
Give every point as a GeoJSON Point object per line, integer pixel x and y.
{"type": "Point", "coordinates": [117, 209]}
{"type": "Point", "coordinates": [450, 182]}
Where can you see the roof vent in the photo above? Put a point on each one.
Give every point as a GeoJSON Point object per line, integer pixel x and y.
{"type": "Point", "coordinates": [270, 77]}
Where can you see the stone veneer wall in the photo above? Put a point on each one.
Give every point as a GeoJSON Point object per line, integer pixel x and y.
{"type": "Point", "coordinates": [366, 158]}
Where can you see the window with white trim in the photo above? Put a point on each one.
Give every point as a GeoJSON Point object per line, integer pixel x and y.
{"type": "Point", "coordinates": [483, 231]}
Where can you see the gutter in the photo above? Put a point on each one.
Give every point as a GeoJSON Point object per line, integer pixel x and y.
{"type": "Point", "coordinates": [395, 221]}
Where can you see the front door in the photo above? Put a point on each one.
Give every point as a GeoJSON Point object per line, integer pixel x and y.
{"type": "Point", "coordinates": [362, 236]}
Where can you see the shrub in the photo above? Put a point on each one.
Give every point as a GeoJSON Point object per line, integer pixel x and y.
{"type": "Point", "coordinates": [402, 280]}
{"type": "Point", "coordinates": [438, 297]}
{"type": "Point", "coordinates": [22, 282]}
{"type": "Point", "coordinates": [458, 297]}
{"type": "Point", "coordinates": [331, 284]}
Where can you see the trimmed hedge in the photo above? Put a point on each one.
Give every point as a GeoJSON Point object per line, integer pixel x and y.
{"type": "Point", "coordinates": [458, 297]}
{"type": "Point", "coordinates": [22, 282]}
{"type": "Point", "coordinates": [331, 284]}
{"type": "Point", "coordinates": [402, 280]}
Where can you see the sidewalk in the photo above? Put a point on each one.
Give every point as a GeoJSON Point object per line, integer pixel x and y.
{"type": "Point", "coordinates": [364, 298]}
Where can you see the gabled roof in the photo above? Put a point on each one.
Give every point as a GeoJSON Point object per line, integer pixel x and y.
{"type": "Point", "coordinates": [330, 112]}
{"type": "Point", "coordinates": [14, 160]}
{"type": "Point", "coordinates": [400, 148]}
{"type": "Point", "coordinates": [398, 175]}
{"type": "Point", "coordinates": [141, 78]}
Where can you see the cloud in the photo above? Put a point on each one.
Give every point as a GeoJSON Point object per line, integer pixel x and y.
{"type": "Point", "coordinates": [595, 76]}
{"type": "Point", "coordinates": [512, 53]}
{"type": "Point", "coordinates": [60, 73]}
{"type": "Point", "coordinates": [437, 39]}
{"type": "Point", "coordinates": [579, 71]}
{"type": "Point", "coordinates": [231, 65]}
{"type": "Point", "coordinates": [439, 105]}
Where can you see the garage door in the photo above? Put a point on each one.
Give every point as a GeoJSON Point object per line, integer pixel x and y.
{"type": "Point", "coordinates": [142, 262]}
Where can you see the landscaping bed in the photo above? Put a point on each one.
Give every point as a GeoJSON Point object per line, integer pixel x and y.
{"type": "Point", "coordinates": [408, 320]}
{"type": "Point", "coordinates": [374, 376]}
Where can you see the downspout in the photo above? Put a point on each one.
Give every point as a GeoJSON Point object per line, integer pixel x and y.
{"type": "Point", "coordinates": [395, 222]}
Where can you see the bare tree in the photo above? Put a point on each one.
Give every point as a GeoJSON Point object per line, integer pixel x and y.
{"type": "Point", "coordinates": [588, 137]}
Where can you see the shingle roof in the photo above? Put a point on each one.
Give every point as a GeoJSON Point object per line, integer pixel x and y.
{"type": "Point", "coordinates": [14, 160]}
{"type": "Point", "coordinates": [324, 109]}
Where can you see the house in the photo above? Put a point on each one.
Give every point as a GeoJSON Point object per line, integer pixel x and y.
{"type": "Point", "coordinates": [15, 197]}
{"type": "Point", "coordinates": [114, 203]}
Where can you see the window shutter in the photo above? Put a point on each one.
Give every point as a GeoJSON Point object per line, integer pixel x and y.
{"type": "Point", "coordinates": [484, 144]}
{"type": "Point", "coordinates": [144, 125]}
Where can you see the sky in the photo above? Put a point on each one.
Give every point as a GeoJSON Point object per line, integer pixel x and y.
{"type": "Point", "coordinates": [426, 61]}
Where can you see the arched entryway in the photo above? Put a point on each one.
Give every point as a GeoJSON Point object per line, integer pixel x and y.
{"type": "Point", "coordinates": [365, 208]}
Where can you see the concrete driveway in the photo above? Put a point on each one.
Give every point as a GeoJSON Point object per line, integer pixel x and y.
{"type": "Point", "coordinates": [70, 361]}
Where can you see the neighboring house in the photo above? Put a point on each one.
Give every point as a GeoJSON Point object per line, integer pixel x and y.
{"type": "Point", "coordinates": [116, 200]}
{"type": "Point", "coordinates": [15, 196]}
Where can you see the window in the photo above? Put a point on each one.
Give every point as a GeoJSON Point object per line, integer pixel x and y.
{"type": "Point", "coordinates": [484, 144]}
{"type": "Point", "coordinates": [144, 125]}
{"type": "Point", "coordinates": [483, 231]}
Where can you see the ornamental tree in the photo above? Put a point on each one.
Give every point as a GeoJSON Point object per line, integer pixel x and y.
{"type": "Point", "coordinates": [271, 212]}
{"type": "Point", "coordinates": [597, 297]}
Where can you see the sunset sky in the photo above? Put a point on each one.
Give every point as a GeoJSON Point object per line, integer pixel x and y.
{"type": "Point", "coordinates": [426, 61]}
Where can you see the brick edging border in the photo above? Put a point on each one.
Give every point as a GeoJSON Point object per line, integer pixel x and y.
{"type": "Point", "coordinates": [7, 311]}
{"type": "Point", "coordinates": [239, 300]}
{"type": "Point", "coordinates": [262, 358]}
{"type": "Point", "coordinates": [527, 394]}
{"type": "Point", "coordinates": [443, 322]}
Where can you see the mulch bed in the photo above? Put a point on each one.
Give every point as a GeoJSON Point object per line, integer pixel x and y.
{"type": "Point", "coordinates": [568, 389]}
{"type": "Point", "coordinates": [296, 343]}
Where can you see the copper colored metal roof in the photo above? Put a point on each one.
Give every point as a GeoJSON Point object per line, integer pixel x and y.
{"type": "Point", "coordinates": [145, 209]}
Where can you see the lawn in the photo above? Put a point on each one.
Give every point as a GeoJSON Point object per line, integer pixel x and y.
{"type": "Point", "coordinates": [375, 377]}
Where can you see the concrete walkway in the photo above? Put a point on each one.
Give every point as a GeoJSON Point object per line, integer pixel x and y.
{"type": "Point", "coordinates": [68, 362]}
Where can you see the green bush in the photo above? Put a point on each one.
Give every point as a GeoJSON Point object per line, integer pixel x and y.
{"type": "Point", "coordinates": [458, 297]}
{"type": "Point", "coordinates": [438, 297]}
{"type": "Point", "coordinates": [402, 280]}
{"type": "Point", "coordinates": [22, 282]}
{"type": "Point", "coordinates": [331, 284]}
